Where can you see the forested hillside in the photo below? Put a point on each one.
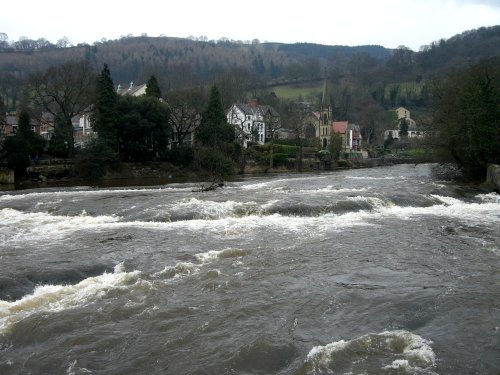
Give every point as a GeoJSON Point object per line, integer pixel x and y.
{"type": "Point", "coordinates": [243, 68]}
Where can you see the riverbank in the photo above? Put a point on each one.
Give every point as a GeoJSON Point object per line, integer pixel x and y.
{"type": "Point", "coordinates": [61, 173]}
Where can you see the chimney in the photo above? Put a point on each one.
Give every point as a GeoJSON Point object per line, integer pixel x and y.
{"type": "Point", "coordinates": [253, 103]}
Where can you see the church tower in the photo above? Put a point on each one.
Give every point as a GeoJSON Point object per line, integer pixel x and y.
{"type": "Point", "coordinates": [326, 115]}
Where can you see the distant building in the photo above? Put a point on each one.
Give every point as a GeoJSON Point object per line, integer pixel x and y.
{"type": "Point", "coordinates": [350, 134]}
{"type": "Point", "coordinates": [133, 90]}
{"type": "Point", "coordinates": [404, 115]}
{"type": "Point", "coordinates": [254, 122]}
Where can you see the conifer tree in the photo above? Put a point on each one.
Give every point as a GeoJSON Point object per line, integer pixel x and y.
{"type": "Point", "coordinates": [153, 89]}
{"type": "Point", "coordinates": [214, 138]}
{"type": "Point", "coordinates": [105, 116]}
{"type": "Point", "coordinates": [214, 131]}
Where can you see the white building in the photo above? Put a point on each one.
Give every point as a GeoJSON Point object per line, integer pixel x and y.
{"type": "Point", "coordinates": [254, 123]}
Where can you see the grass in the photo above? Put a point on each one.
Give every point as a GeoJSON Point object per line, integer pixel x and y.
{"type": "Point", "coordinates": [298, 91]}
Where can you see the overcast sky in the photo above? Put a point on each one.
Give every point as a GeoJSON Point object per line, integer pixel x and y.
{"type": "Point", "coordinates": [389, 23]}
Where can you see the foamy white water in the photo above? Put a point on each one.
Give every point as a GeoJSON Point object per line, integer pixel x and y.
{"type": "Point", "coordinates": [377, 271]}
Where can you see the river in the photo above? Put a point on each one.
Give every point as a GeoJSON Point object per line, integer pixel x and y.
{"type": "Point", "coordinates": [372, 271]}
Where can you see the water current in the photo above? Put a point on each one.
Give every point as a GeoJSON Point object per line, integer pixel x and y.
{"type": "Point", "coordinates": [374, 271]}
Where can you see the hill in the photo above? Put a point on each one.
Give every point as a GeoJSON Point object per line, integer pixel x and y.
{"type": "Point", "coordinates": [180, 63]}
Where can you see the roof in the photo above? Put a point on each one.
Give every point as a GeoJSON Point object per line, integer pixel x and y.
{"type": "Point", "coordinates": [263, 109]}
{"type": "Point", "coordinates": [339, 126]}
{"type": "Point", "coordinates": [131, 90]}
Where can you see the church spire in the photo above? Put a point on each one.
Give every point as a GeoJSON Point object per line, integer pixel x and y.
{"type": "Point", "coordinates": [326, 106]}
{"type": "Point", "coordinates": [325, 100]}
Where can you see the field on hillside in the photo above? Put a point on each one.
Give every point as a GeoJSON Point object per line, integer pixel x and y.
{"type": "Point", "coordinates": [301, 92]}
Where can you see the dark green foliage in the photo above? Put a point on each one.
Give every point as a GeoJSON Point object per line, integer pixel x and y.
{"type": "Point", "coordinates": [94, 160]}
{"type": "Point", "coordinates": [2, 120]}
{"type": "Point", "coordinates": [214, 131]}
{"type": "Point", "coordinates": [214, 162]}
{"type": "Point", "coordinates": [389, 141]}
{"type": "Point", "coordinates": [468, 113]}
{"type": "Point", "coordinates": [215, 147]}
{"type": "Point", "coordinates": [143, 131]}
{"type": "Point", "coordinates": [181, 155]}
{"type": "Point", "coordinates": [105, 114]}
{"type": "Point", "coordinates": [19, 149]}
{"type": "Point", "coordinates": [153, 89]}
{"type": "Point", "coordinates": [403, 128]}
{"type": "Point", "coordinates": [278, 159]}
{"type": "Point", "coordinates": [336, 146]}
{"type": "Point", "coordinates": [59, 144]}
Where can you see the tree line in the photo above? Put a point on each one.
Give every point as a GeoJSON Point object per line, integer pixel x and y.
{"type": "Point", "coordinates": [128, 128]}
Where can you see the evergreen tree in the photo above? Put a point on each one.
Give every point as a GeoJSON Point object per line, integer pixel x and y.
{"type": "Point", "coordinates": [105, 115]}
{"type": "Point", "coordinates": [144, 128]}
{"type": "Point", "coordinates": [18, 150]}
{"type": "Point", "coordinates": [153, 89]}
{"type": "Point", "coordinates": [214, 131]}
{"type": "Point", "coordinates": [403, 128]}
{"type": "Point", "coordinates": [215, 147]}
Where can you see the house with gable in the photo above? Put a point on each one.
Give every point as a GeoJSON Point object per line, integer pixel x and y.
{"type": "Point", "coordinates": [350, 135]}
{"type": "Point", "coordinates": [403, 115]}
{"type": "Point", "coordinates": [253, 122]}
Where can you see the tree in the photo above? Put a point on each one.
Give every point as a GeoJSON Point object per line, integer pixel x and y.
{"type": "Point", "coordinates": [152, 88]}
{"type": "Point", "coordinates": [403, 128]}
{"type": "Point", "coordinates": [105, 117]}
{"type": "Point", "coordinates": [297, 122]}
{"type": "Point", "coordinates": [186, 107]}
{"type": "Point", "coordinates": [3, 120]}
{"type": "Point", "coordinates": [468, 112]}
{"type": "Point", "coordinates": [63, 91]}
{"type": "Point", "coordinates": [143, 131]}
{"type": "Point", "coordinates": [18, 149]}
{"type": "Point", "coordinates": [336, 146]}
{"type": "Point", "coordinates": [214, 138]}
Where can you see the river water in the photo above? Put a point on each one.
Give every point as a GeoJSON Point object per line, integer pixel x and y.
{"type": "Point", "coordinates": [374, 271]}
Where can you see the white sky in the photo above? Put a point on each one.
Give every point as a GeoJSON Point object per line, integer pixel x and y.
{"type": "Point", "coordinates": [389, 23]}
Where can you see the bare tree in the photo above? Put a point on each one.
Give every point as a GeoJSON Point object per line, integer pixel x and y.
{"type": "Point", "coordinates": [186, 107]}
{"type": "Point", "coordinates": [63, 91]}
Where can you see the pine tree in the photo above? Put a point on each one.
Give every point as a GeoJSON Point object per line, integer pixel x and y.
{"type": "Point", "coordinates": [106, 116]}
{"type": "Point", "coordinates": [214, 138]}
{"type": "Point", "coordinates": [153, 89]}
{"type": "Point", "coordinates": [214, 131]}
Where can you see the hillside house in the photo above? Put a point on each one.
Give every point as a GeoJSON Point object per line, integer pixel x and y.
{"type": "Point", "coordinates": [404, 115]}
{"type": "Point", "coordinates": [350, 134]}
{"type": "Point", "coordinates": [253, 122]}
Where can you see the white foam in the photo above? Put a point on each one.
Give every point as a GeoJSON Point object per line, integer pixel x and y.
{"type": "Point", "coordinates": [179, 270]}
{"type": "Point", "coordinates": [489, 198]}
{"type": "Point", "coordinates": [213, 255]}
{"type": "Point", "coordinates": [209, 210]}
{"type": "Point", "coordinates": [54, 298]}
{"type": "Point", "coordinates": [91, 193]}
{"type": "Point", "coordinates": [35, 226]}
{"type": "Point", "coordinates": [330, 189]}
{"type": "Point", "coordinates": [401, 348]}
